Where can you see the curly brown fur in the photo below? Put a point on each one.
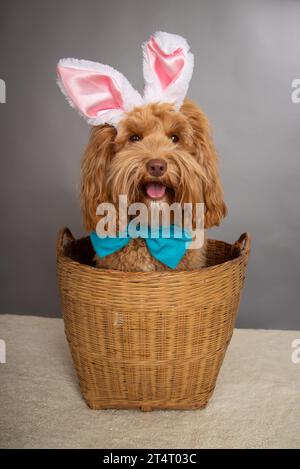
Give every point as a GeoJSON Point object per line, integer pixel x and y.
{"type": "Point", "coordinates": [114, 165]}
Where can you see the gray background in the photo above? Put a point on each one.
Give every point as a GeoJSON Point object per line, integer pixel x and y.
{"type": "Point", "coordinates": [247, 54]}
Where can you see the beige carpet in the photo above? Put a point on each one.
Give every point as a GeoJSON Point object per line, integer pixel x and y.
{"type": "Point", "coordinates": [256, 403]}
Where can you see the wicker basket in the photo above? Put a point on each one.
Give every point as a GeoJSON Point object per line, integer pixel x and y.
{"type": "Point", "coordinates": [149, 340]}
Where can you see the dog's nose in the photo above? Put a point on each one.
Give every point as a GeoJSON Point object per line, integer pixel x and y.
{"type": "Point", "coordinates": [156, 167]}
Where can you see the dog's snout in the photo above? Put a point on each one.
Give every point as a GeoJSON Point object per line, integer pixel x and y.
{"type": "Point", "coordinates": [156, 167]}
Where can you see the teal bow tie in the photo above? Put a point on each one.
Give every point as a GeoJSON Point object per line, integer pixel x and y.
{"type": "Point", "coordinates": [168, 245]}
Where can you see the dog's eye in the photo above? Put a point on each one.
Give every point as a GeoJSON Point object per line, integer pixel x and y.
{"type": "Point", "coordinates": [135, 138]}
{"type": "Point", "coordinates": [174, 138]}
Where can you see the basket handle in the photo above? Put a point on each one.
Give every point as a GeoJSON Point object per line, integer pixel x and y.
{"type": "Point", "coordinates": [242, 245]}
{"type": "Point", "coordinates": [64, 235]}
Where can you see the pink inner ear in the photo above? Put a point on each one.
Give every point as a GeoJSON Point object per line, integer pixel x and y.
{"type": "Point", "coordinates": [90, 91]}
{"type": "Point", "coordinates": [166, 66]}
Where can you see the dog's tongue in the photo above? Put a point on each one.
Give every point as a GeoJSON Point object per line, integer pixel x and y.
{"type": "Point", "coordinates": [155, 190]}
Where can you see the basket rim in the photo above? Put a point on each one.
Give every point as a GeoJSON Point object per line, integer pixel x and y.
{"type": "Point", "coordinates": [242, 256]}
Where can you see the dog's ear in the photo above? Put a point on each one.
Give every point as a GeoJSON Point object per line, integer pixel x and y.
{"type": "Point", "coordinates": [215, 208]}
{"type": "Point", "coordinates": [96, 159]}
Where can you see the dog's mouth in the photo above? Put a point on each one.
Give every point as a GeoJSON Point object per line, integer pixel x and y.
{"type": "Point", "coordinates": [155, 190]}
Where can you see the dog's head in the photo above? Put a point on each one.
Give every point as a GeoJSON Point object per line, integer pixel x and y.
{"type": "Point", "coordinates": [152, 148]}
{"type": "Point", "coordinates": [158, 154]}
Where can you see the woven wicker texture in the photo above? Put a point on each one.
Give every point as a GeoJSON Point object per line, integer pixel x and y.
{"type": "Point", "coordinates": [149, 340]}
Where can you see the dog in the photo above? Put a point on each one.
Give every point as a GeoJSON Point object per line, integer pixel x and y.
{"type": "Point", "coordinates": [157, 150]}
{"type": "Point", "coordinates": [154, 146]}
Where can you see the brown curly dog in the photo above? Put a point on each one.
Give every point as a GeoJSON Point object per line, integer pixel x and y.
{"type": "Point", "coordinates": [157, 155]}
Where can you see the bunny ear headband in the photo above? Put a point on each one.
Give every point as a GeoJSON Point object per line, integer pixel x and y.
{"type": "Point", "coordinates": [102, 95]}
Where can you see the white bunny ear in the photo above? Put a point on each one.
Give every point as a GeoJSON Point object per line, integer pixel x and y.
{"type": "Point", "coordinates": [100, 93]}
{"type": "Point", "coordinates": [168, 66]}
